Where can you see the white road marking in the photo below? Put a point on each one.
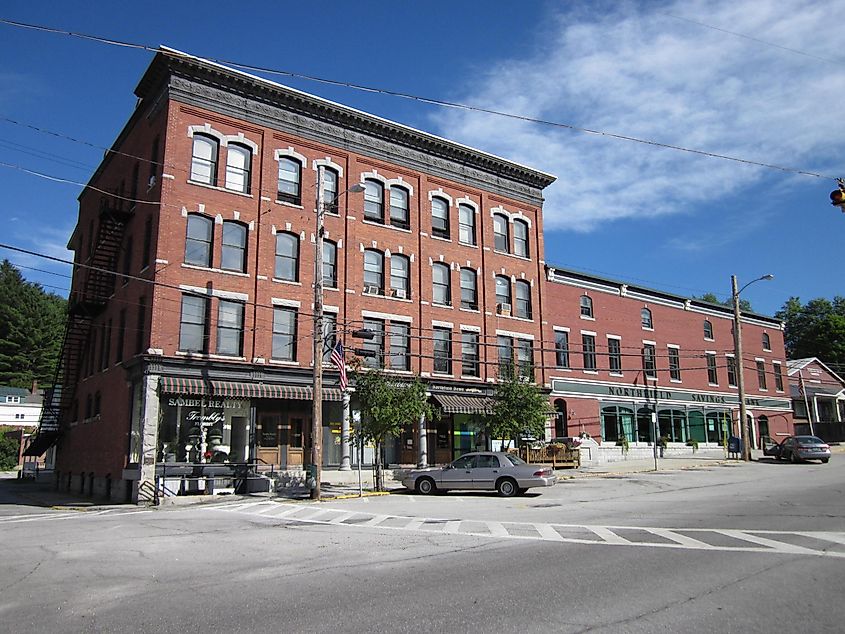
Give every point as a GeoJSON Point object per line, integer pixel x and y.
{"type": "Point", "coordinates": [452, 527]}
{"type": "Point", "coordinates": [608, 535]}
{"type": "Point", "coordinates": [548, 532]}
{"type": "Point", "coordinates": [689, 542]}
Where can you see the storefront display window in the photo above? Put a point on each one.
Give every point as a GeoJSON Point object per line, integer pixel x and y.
{"type": "Point", "coordinates": [617, 423]}
{"type": "Point", "coordinates": [202, 430]}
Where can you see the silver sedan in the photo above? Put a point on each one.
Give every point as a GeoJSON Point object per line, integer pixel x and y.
{"type": "Point", "coordinates": [485, 471]}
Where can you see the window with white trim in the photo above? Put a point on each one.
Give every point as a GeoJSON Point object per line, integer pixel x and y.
{"type": "Point", "coordinates": [287, 257]}
{"type": "Point", "coordinates": [289, 185]}
{"type": "Point", "coordinates": [443, 350]}
{"type": "Point", "coordinates": [501, 233]}
{"type": "Point", "coordinates": [193, 324]}
{"type": "Point", "coordinates": [439, 217]}
{"type": "Point", "coordinates": [523, 299]}
{"type": "Point", "coordinates": [399, 208]}
{"type": "Point", "coordinates": [614, 355]}
{"type": "Point", "coordinates": [238, 168]}
{"type": "Point", "coordinates": [373, 272]}
{"type": "Point", "coordinates": [204, 158]}
{"type": "Point", "coordinates": [441, 292]}
{"type": "Point", "coordinates": [233, 250]}
{"type": "Point", "coordinates": [649, 361]}
{"type": "Point", "coordinates": [230, 328]}
{"type": "Point", "coordinates": [469, 290]}
{"type": "Point", "coordinates": [469, 354]}
{"type": "Point", "coordinates": [199, 240]}
{"type": "Point", "coordinates": [285, 320]}
{"type": "Point", "coordinates": [373, 200]}
{"type": "Point", "coordinates": [674, 363]}
{"type": "Point", "coordinates": [466, 224]}
{"type": "Point", "coordinates": [400, 276]}
{"type": "Point", "coordinates": [520, 238]}
{"type": "Point", "coordinates": [329, 264]}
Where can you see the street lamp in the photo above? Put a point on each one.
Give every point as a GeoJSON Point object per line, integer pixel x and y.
{"type": "Point", "coordinates": [740, 374]}
{"type": "Point", "coordinates": [317, 413]}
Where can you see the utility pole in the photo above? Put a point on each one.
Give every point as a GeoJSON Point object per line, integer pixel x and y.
{"type": "Point", "coordinates": [317, 412]}
{"type": "Point", "coordinates": [740, 374]}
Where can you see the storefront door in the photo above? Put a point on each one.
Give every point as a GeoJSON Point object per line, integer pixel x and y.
{"type": "Point", "coordinates": [268, 438]}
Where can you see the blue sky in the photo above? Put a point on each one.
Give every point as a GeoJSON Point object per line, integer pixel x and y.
{"type": "Point", "coordinates": [671, 220]}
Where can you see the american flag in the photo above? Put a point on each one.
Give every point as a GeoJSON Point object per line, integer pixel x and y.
{"type": "Point", "coordinates": [337, 358]}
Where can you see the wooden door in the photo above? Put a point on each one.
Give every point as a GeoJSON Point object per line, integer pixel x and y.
{"type": "Point", "coordinates": [267, 429]}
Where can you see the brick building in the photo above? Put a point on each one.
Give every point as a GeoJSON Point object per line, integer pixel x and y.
{"type": "Point", "coordinates": [617, 353]}
{"type": "Point", "coordinates": [199, 348]}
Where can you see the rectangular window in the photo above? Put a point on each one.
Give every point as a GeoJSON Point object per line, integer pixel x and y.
{"type": "Point", "coordinates": [373, 349]}
{"type": "Point", "coordinates": [712, 375]}
{"type": "Point", "coordinates": [561, 348]}
{"type": "Point", "coordinates": [778, 377]}
{"type": "Point", "coordinates": [675, 364]}
{"type": "Point", "coordinates": [505, 347]}
{"type": "Point", "coordinates": [329, 335]}
{"type": "Point", "coordinates": [399, 213]}
{"type": "Point", "coordinates": [649, 361]}
{"type": "Point", "coordinates": [443, 350]}
{"type": "Point", "coordinates": [731, 363]}
{"type": "Point", "coordinates": [588, 349]}
{"type": "Point", "coordinates": [230, 328]}
{"type": "Point", "coordinates": [233, 250]}
{"type": "Point", "coordinates": [466, 224]}
{"type": "Point", "coordinates": [121, 333]}
{"type": "Point", "coordinates": [614, 355]}
{"type": "Point", "coordinates": [284, 333]}
{"type": "Point", "coordinates": [761, 374]}
{"type": "Point", "coordinates": [193, 327]}
{"type": "Point", "coordinates": [469, 354]}
{"type": "Point", "coordinates": [525, 356]}
{"type": "Point", "coordinates": [400, 346]}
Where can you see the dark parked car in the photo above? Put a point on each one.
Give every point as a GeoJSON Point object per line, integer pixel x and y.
{"type": "Point", "coordinates": [486, 471]}
{"type": "Point", "coordinates": [796, 448]}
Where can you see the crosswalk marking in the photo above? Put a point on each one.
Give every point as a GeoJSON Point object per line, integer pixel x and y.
{"type": "Point", "coordinates": [748, 541]}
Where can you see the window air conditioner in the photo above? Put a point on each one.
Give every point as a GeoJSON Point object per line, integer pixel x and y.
{"type": "Point", "coordinates": [372, 289]}
{"type": "Point", "coordinates": [401, 293]}
{"type": "Point", "coordinates": [503, 309]}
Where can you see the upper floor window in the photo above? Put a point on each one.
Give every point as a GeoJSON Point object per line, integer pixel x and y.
{"type": "Point", "coordinates": [13, 399]}
{"type": "Point", "coordinates": [561, 348]}
{"type": "Point", "coordinates": [441, 284]}
{"type": "Point", "coordinates": [329, 264]}
{"type": "Point", "coordinates": [708, 329]}
{"type": "Point", "coordinates": [233, 255]}
{"type": "Point", "coordinates": [614, 355]}
{"type": "Point", "coordinates": [778, 377]}
{"type": "Point", "coordinates": [193, 325]}
{"type": "Point", "coordinates": [588, 351]}
{"type": "Point", "coordinates": [761, 374]}
{"type": "Point", "coordinates": [501, 236]}
{"type": "Point", "coordinates": [767, 342]}
{"type": "Point", "coordinates": [373, 200]}
{"type": "Point", "coordinates": [712, 374]}
{"type": "Point", "coordinates": [400, 346]}
{"type": "Point", "coordinates": [645, 318]}
{"type": "Point", "coordinates": [520, 238]}
{"type": "Point", "coordinates": [289, 188]}
{"type": "Point", "coordinates": [204, 159]}
{"type": "Point", "coordinates": [374, 348]}
{"type": "Point", "coordinates": [731, 363]}
{"type": "Point", "coordinates": [230, 328]}
{"type": "Point", "coordinates": [439, 218]}
{"type": "Point", "coordinates": [443, 350]}
{"type": "Point", "coordinates": [330, 193]}
{"type": "Point", "coordinates": [469, 290]}
{"type": "Point", "coordinates": [649, 361]}
{"type": "Point", "coordinates": [503, 295]}
{"type": "Point", "coordinates": [199, 240]}
{"type": "Point", "coordinates": [523, 299]}
{"type": "Point", "coordinates": [674, 364]}
{"type": "Point", "coordinates": [469, 354]}
{"type": "Point", "coordinates": [373, 272]}
{"type": "Point", "coordinates": [466, 224]}
{"type": "Point", "coordinates": [586, 306]}
{"type": "Point", "coordinates": [287, 257]}
{"type": "Point", "coordinates": [400, 274]}
{"type": "Point", "coordinates": [238, 168]}
{"type": "Point", "coordinates": [284, 333]}
{"type": "Point", "coordinates": [399, 212]}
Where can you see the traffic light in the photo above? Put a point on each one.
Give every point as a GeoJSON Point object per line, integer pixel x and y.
{"type": "Point", "coordinates": [837, 196]}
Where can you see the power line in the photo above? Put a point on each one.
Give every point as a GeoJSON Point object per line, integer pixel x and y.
{"type": "Point", "coordinates": [421, 99]}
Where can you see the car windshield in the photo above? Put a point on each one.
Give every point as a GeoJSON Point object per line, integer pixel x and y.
{"type": "Point", "coordinates": [515, 460]}
{"type": "Point", "coordinates": [809, 440]}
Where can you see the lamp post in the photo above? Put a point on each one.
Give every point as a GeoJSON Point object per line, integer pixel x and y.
{"type": "Point", "coordinates": [740, 374]}
{"type": "Point", "coordinates": [317, 412]}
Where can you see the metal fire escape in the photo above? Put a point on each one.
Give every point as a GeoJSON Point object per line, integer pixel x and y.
{"type": "Point", "coordinates": [86, 303]}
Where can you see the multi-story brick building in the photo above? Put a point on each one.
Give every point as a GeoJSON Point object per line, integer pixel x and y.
{"type": "Point", "coordinates": [199, 347]}
{"type": "Point", "coordinates": [617, 353]}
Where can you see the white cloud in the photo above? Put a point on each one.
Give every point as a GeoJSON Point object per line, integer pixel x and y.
{"type": "Point", "coordinates": [638, 71]}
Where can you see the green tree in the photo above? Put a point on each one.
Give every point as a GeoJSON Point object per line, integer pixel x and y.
{"type": "Point", "coordinates": [387, 407]}
{"type": "Point", "coordinates": [31, 330]}
{"type": "Point", "coordinates": [816, 329]}
{"type": "Point", "coordinates": [744, 304]}
{"type": "Point", "coordinates": [9, 449]}
{"type": "Point", "coordinates": [519, 407]}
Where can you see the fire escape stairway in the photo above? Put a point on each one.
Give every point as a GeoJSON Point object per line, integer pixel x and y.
{"type": "Point", "coordinates": [86, 303]}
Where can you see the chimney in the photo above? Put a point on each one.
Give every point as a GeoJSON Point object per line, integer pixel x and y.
{"type": "Point", "coordinates": [34, 389]}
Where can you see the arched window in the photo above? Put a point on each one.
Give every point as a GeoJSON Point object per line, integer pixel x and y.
{"type": "Point", "coordinates": [586, 306]}
{"type": "Point", "coordinates": [399, 214]}
{"type": "Point", "coordinates": [204, 159]}
{"type": "Point", "coordinates": [767, 342]}
{"type": "Point", "coordinates": [373, 272]}
{"type": "Point", "coordinates": [287, 257]}
{"type": "Point", "coordinates": [330, 195]}
{"type": "Point", "coordinates": [233, 254]}
{"type": "Point", "coordinates": [238, 168]}
{"type": "Point", "coordinates": [441, 284]}
{"type": "Point", "coordinates": [329, 264]}
{"type": "Point", "coordinates": [523, 299]}
{"type": "Point", "coordinates": [708, 329]}
{"type": "Point", "coordinates": [199, 239]}
{"type": "Point", "coordinates": [400, 272]}
{"type": "Point", "coordinates": [501, 237]}
{"type": "Point", "coordinates": [289, 188]}
{"type": "Point", "coordinates": [373, 200]}
{"type": "Point", "coordinates": [561, 419]}
{"type": "Point", "coordinates": [503, 295]}
{"type": "Point", "coordinates": [469, 289]}
{"type": "Point", "coordinates": [645, 318]}
{"type": "Point", "coordinates": [466, 224]}
{"type": "Point", "coordinates": [439, 217]}
{"type": "Point", "coordinates": [520, 238]}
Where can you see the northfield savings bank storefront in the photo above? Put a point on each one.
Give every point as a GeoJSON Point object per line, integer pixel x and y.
{"type": "Point", "coordinates": [682, 416]}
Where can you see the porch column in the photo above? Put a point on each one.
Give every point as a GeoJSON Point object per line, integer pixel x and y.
{"type": "Point", "coordinates": [148, 427]}
{"type": "Point", "coordinates": [422, 462]}
{"type": "Point", "coordinates": [345, 448]}
{"type": "Point", "coordinates": [815, 409]}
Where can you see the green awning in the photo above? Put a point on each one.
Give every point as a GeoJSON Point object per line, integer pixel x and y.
{"type": "Point", "coordinates": [239, 389]}
{"type": "Point", "coordinates": [460, 404]}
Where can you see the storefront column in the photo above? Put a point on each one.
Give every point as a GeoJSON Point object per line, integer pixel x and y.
{"type": "Point", "coordinates": [148, 423]}
{"type": "Point", "coordinates": [345, 448]}
{"type": "Point", "coordinates": [422, 462]}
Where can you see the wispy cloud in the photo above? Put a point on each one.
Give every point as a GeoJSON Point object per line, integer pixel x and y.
{"type": "Point", "coordinates": [638, 71]}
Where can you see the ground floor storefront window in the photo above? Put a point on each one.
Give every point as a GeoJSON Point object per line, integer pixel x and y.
{"type": "Point", "coordinates": [675, 424]}
{"type": "Point", "coordinates": [203, 430]}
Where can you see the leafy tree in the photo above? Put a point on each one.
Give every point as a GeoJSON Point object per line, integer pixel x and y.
{"type": "Point", "coordinates": [9, 449]}
{"type": "Point", "coordinates": [816, 329]}
{"type": "Point", "coordinates": [744, 304]}
{"type": "Point", "coordinates": [519, 407]}
{"type": "Point", "coordinates": [31, 330]}
{"type": "Point", "coordinates": [388, 406]}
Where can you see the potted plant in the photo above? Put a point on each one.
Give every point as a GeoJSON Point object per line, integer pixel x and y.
{"type": "Point", "coordinates": [623, 442]}
{"type": "Point", "coordinates": [662, 443]}
{"type": "Point", "coordinates": [692, 442]}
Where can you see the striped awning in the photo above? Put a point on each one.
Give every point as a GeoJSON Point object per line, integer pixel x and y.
{"type": "Point", "coordinates": [459, 404]}
{"type": "Point", "coordinates": [237, 389]}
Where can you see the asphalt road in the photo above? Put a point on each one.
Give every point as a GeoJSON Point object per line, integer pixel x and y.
{"type": "Point", "coordinates": [740, 548]}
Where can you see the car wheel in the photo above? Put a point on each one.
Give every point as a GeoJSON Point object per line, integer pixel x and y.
{"type": "Point", "coordinates": [425, 486]}
{"type": "Point", "coordinates": [507, 488]}
{"type": "Point", "coordinates": [793, 458]}
{"type": "Point", "coordinates": [824, 460]}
